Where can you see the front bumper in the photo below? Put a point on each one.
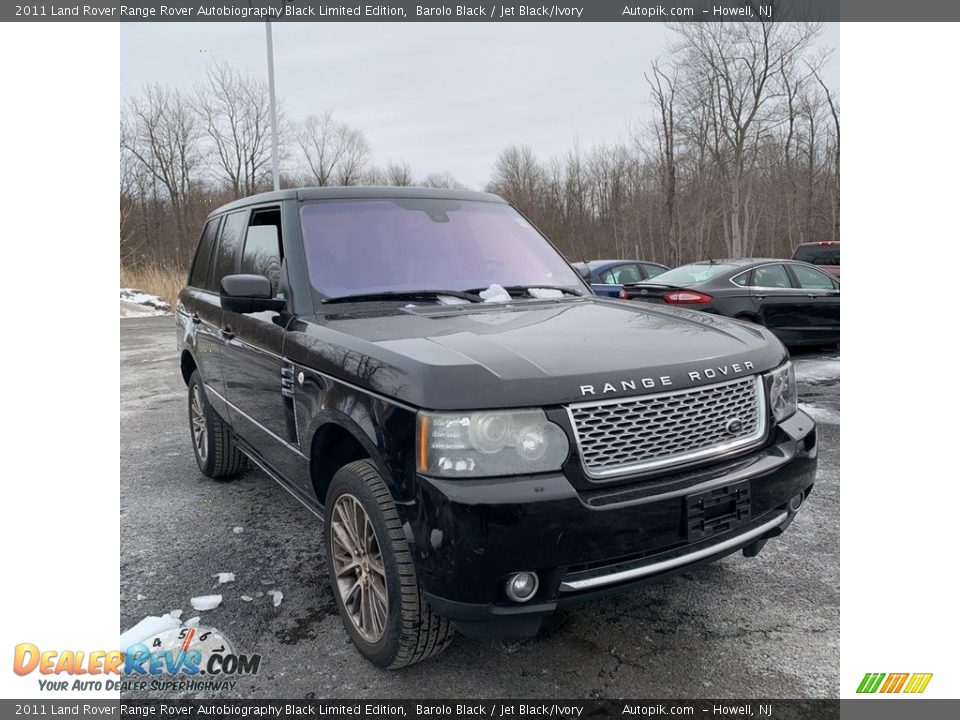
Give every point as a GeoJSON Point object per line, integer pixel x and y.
{"type": "Point", "coordinates": [467, 536]}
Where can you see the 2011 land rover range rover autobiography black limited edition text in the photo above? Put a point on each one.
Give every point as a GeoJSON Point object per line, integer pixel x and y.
{"type": "Point", "coordinates": [484, 439]}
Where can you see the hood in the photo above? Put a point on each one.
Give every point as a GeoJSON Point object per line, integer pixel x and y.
{"type": "Point", "coordinates": [529, 353]}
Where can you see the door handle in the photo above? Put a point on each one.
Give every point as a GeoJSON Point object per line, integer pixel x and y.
{"type": "Point", "coordinates": [195, 317]}
{"type": "Point", "coordinates": [227, 334]}
{"type": "Point", "coordinates": [760, 297]}
{"type": "Point", "coordinates": [812, 295]}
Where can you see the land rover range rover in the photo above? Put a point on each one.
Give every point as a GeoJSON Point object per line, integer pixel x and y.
{"type": "Point", "coordinates": [483, 438]}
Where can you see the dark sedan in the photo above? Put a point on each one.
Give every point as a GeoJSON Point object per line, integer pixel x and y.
{"type": "Point", "coordinates": [798, 302]}
{"type": "Point", "coordinates": [606, 277]}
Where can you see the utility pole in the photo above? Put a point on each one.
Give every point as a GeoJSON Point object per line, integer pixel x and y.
{"type": "Point", "coordinates": [273, 110]}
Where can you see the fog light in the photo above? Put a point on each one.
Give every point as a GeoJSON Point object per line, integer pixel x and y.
{"type": "Point", "coordinates": [795, 502]}
{"type": "Point", "coordinates": [522, 586]}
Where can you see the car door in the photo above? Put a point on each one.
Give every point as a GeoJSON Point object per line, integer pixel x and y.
{"type": "Point", "coordinates": [202, 316]}
{"type": "Point", "coordinates": [255, 373]}
{"type": "Point", "coordinates": [225, 260]}
{"type": "Point", "coordinates": [823, 296]}
{"type": "Point", "coordinates": [782, 307]}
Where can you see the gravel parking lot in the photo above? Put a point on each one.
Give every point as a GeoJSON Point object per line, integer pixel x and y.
{"type": "Point", "coordinates": [763, 627]}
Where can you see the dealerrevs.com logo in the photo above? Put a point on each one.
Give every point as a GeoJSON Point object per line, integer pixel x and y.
{"type": "Point", "coordinates": [910, 683]}
{"type": "Point", "coordinates": [185, 659]}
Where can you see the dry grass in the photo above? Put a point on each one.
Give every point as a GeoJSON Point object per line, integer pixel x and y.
{"type": "Point", "coordinates": [163, 281]}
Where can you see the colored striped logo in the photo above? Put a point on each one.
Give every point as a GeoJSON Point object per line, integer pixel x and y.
{"type": "Point", "coordinates": [894, 682]}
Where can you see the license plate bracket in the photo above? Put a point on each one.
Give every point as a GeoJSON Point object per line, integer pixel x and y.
{"type": "Point", "coordinates": [717, 511]}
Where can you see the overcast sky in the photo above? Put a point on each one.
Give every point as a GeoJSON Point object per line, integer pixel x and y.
{"type": "Point", "coordinates": [443, 96]}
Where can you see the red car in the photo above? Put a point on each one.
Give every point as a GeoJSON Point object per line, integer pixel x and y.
{"type": "Point", "coordinates": [824, 253]}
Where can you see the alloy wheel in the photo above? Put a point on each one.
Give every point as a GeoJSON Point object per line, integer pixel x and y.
{"type": "Point", "coordinates": [358, 565]}
{"type": "Point", "coordinates": [198, 423]}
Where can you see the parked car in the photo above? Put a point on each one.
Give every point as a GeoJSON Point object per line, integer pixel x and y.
{"type": "Point", "coordinates": [483, 438]}
{"type": "Point", "coordinates": [606, 277]}
{"type": "Point", "coordinates": [825, 254]}
{"type": "Point", "coordinates": [796, 301]}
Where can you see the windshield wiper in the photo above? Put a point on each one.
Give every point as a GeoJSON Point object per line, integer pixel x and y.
{"type": "Point", "coordinates": [516, 289]}
{"type": "Point", "coordinates": [403, 295]}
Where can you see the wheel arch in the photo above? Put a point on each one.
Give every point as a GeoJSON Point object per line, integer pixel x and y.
{"type": "Point", "coordinates": [336, 442]}
{"type": "Point", "coordinates": [187, 366]}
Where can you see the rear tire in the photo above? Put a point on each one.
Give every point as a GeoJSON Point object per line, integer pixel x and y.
{"type": "Point", "coordinates": [406, 629]}
{"type": "Point", "coordinates": [217, 454]}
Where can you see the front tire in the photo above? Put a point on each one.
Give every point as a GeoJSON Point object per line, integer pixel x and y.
{"type": "Point", "coordinates": [372, 574]}
{"type": "Point", "coordinates": [217, 454]}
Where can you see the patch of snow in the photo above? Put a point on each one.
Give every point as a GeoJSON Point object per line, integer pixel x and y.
{"type": "Point", "coordinates": [192, 622]}
{"type": "Point", "coordinates": [277, 597]}
{"type": "Point", "coordinates": [136, 303]}
{"type": "Point", "coordinates": [545, 293]}
{"type": "Point", "coordinates": [246, 598]}
{"type": "Point", "coordinates": [141, 597]}
{"type": "Point", "coordinates": [495, 293]}
{"type": "Point", "coordinates": [225, 577]}
{"type": "Point", "coordinates": [175, 614]}
{"type": "Point", "coordinates": [129, 309]}
{"type": "Point", "coordinates": [238, 530]}
{"type": "Point", "coordinates": [148, 627]}
{"type": "Point", "coordinates": [206, 602]}
{"type": "Point", "coordinates": [828, 416]}
{"type": "Point", "coordinates": [817, 369]}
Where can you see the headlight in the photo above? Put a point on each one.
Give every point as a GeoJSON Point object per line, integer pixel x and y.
{"type": "Point", "coordinates": [480, 444]}
{"type": "Point", "coordinates": [783, 392]}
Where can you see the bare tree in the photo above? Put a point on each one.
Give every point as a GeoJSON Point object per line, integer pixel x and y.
{"type": "Point", "coordinates": [517, 175]}
{"type": "Point", "coordinates": [442, 180]}
{"type": "Point", "coordinates": [161, 132]}
{"type": "Point", "coordinates": [235, 111]}
{"type": "Point", "coordinates": [663, 91]}
{"type": "Point", "coordinates": [354, 154]}
{"type": "Point", "coordinates": [835, 116]}
{"type": "Point", "coordinates": [399, 173]}
{"type": "Point", "coordinates": [740, 64]}
{"type": "Point", "coordinates": [334, 153]}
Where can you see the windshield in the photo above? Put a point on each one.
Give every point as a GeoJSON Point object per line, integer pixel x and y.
{"type": "Point", "coordinates": [692, 274]}
{"type": "Point", "coordinates": [818, 254]}
{"type": "Point", "coordinates": [403, 245]}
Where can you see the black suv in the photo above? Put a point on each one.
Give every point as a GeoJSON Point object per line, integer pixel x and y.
{"type": "Point", "coordinates": [485, 439]}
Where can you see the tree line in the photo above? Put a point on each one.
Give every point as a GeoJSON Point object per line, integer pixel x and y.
{"type": "Point", "coordinates": [739, 156]}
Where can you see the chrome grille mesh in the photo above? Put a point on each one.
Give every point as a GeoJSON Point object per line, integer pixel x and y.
{"type": "Point", "coordinates": [640, 433]}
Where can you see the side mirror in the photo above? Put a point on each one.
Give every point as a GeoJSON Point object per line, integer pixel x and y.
{"type": "Point", "coordinates": [248, 294]}
{"type": "Point", "coordinates": [583, 269]}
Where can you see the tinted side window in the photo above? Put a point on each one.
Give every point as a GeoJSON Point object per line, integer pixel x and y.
{"type": "Point", "coordinates": [771, 276]}
{"type": "Point", "coordinates": [653, 270]}
{"type": "Point", "coordinates": [200, 275]}
{"type": "Point", "coordinates": [811, 279]}
{"type": "Point", "coordinates": [261, 251]}
{"type": "Point", "coordinates": [228, 251]}
{"type": "Point", "coordinates": [621, 274]}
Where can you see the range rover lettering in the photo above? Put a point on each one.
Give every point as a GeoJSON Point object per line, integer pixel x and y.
{"type": "Point", "coordinates": [482, 438]}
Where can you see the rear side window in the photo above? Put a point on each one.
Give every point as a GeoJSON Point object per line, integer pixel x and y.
{"type": "Point", "coordinates": [200, 275]}
{"type": "Point", "coordinates": [620, 275]}
{"type": "Point", "coordinates": [261, 251]}
{"type": "Point", "coordinates": [771, 276]}
{"type": "Point", "coordinates": [228, 250]}
{"type": "Point", "coordinates": [811, 279]}
{"type": "Point", "coordinates": [653, 270]}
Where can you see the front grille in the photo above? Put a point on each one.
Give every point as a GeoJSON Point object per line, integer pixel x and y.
{"type": "Point", "coordinates": [635, 434]}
